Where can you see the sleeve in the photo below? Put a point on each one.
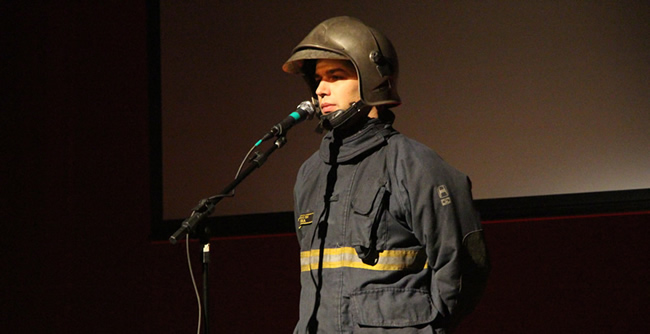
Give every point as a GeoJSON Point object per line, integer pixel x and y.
{"type": "Point", "coordinates": [444, 219]}
{"type": "Point", "coordinates": [472, 256]}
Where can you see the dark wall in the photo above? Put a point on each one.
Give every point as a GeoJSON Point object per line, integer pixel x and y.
{"type": "Point", "coordinates": [579, 274]}
{"type": "Point", "coordinates": [75, 180]}
{"type": "Point", "coordinates": [77, 206]}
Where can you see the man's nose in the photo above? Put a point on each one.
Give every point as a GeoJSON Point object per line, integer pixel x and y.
{"type": "Point", "coordinates": [322, 89]}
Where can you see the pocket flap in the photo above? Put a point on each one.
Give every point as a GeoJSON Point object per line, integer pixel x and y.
{"type": "Point", "coordinates": [364, 201]}
{"type": "Point", "coordinates": [391, 307]}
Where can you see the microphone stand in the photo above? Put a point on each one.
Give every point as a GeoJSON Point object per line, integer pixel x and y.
{"type": "Point", "coordinates": [206, 207]}
{"type": "Point", "coordinates": [204, 238]}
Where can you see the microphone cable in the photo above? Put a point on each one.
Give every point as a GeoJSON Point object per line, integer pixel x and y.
{"type": "Point", "coordinates": [187, 246]}
{"type": "Point", "coordinates": [196, 289]}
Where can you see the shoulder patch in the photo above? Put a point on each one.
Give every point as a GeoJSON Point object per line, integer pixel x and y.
{"type": "Point", "coordinates": [443, 193]}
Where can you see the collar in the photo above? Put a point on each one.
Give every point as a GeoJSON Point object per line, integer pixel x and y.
{"type": "Point", "coordinates": [372, 135]}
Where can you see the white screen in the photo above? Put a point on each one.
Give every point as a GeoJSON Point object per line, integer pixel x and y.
{"type": "Point", "coordinates": [527, 98]}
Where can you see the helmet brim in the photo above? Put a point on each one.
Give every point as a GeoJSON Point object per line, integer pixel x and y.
{"type": "Point", "coordinates": [294, 64]}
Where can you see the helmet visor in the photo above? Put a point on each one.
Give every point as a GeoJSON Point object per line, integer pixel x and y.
{"type": "Point", "coordinates": [295, 63]}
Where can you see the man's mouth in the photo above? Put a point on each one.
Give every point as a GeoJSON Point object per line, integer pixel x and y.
{"type": "Point", "coordinates": [327, 108]}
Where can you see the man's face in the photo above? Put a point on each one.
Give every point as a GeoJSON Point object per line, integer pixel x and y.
{"type": "Point", "coordinates": [338, 84]}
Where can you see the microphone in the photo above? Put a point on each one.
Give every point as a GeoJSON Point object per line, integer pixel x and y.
{"type": "Point", "coordinates": [305, 110]}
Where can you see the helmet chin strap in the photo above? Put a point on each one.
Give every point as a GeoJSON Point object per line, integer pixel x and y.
{"type": "Point", "coordinates": [341, 119]}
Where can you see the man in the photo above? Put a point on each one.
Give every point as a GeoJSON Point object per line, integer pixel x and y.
{"type": "Point", "coordinates": [390, 241]}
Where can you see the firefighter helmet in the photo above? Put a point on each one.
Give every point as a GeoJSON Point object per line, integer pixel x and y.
{"type": "Point", "coordinates": [371, 53]}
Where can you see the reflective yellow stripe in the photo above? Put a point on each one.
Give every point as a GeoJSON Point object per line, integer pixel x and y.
{"type": "Point", "coordinates": [389, 260]}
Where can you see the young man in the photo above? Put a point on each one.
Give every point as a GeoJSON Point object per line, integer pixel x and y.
{"type": "Point", "coordinates": [390, 241]}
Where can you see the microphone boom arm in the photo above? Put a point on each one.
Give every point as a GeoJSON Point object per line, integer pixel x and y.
{"type": "Point", "coordinates": [206, 206]}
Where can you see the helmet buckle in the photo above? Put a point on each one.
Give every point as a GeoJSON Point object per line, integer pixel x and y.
{"type": "Point", "coordinates": [383, 67]}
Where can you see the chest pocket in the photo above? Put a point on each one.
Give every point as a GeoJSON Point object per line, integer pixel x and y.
{"type": "Point", "coordinates": [368, 234]}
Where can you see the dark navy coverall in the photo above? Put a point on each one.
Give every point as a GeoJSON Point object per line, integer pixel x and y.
{"type": "Point", "coordinates": [389, 237]}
